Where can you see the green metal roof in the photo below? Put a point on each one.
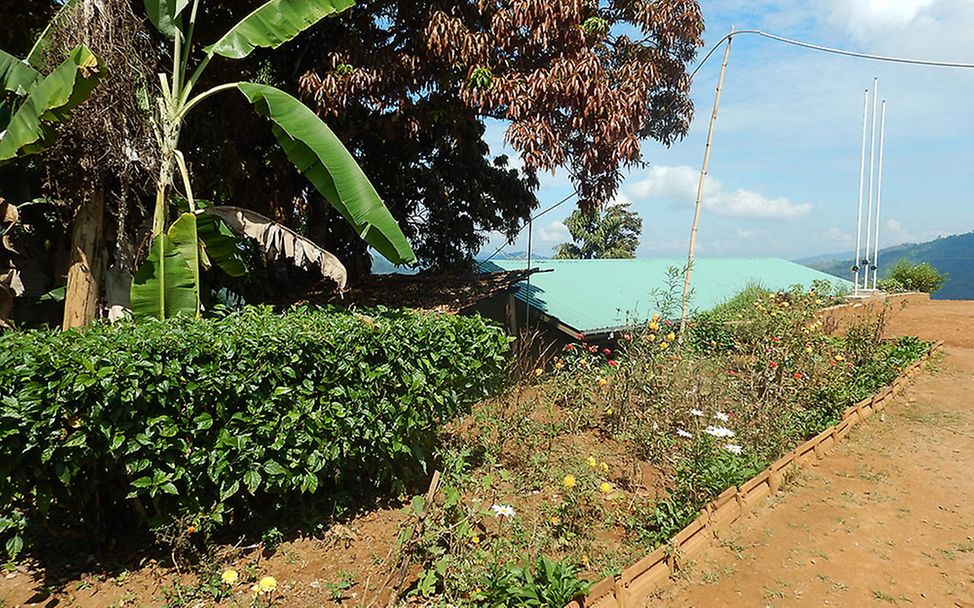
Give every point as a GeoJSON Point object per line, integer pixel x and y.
{"type": "Point", "coordinates": [593, 296]}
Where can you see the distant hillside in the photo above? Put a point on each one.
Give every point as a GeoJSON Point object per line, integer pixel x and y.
{"type": "Point", "coordinates": [952, 254]}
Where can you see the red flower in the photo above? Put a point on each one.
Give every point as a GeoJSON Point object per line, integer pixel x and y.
{"type": "Point", "coordinates": [606, 352]}
{"type": "Point", "coordinates": [667, 322]}
{"type": "Point", "coordinates": [569, 347]}
{"type": "Point", "coordinates": [593, 348]}
{"type": "Point", "coordinates": [731, 372]}
{"type": "Point", "coordinates": [613, 363]}
{"type": "Point", "coordinates": [773, 365]}
{"type": "Point", "coordinates": [776, 339]}
{"type": "Point", "coordinates": [798, 375]}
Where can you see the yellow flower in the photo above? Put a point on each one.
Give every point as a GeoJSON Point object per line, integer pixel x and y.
{"type": "Point", "coordinates": [651, 338]}
{"type": "Point", "coordinates": [585, 561]}
{"type": "Point", "coordinates": [568, 481]}
{"type": "Point", "coordinates": [255, 589]}
{"type": "Point", "coordinates": [603, 381]}
{"type": "Point", "coordinates": [555, 520]}
{"type": "Point", "coordinates": [605, 487]}
{"type": "Point", "coordinates": [559, 364]}
{"type": "Point", "coordinates": [475, 539]}
{"type": "Point", "coordinates": [656, 318]}
{"type": "Point", "coordinates": [671, 336]}
{"type": "Point", "coordinates": [476, 589]}
{"type": "Point", "coordinates": [654, 326]}
{"type": "Point", "coordinates": [839, 358]}
{"type": "Point", "coordinates": [538, 372]}
{"type": "Point", "coordinates": [608, 411]}
{"type": "Point", "coordinates": [230, 577]}
{"type": "Point", "coordinates": [590, 461]}
{"type": "Point", "coordinates": [604, 467]}
{"type": "Point", "coordinates": [663, 345]}
{"type": "Point", "coordinates": [268, 583]}
{"type": "Point", "coordinates": [809, 349]}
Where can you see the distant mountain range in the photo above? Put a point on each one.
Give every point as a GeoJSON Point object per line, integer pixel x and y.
{"type": "Point", "coordinates": [951, 254]}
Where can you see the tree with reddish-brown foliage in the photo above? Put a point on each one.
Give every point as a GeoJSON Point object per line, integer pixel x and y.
{"type": "Point", "coordinates": [579, 82]}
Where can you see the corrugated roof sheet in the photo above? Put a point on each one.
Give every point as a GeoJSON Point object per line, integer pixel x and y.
{"type": "Point", "coordinates": [599, 295]}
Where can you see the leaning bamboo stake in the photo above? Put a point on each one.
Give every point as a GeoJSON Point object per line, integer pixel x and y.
{"type": "Point", "coordinates": [700, 188]}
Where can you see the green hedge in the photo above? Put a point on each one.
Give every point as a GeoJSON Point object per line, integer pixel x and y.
{"type": "Point", "coordinates": [226, 417]}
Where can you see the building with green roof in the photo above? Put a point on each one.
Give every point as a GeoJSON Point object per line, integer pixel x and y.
{"type": "Point", "coordinates": [598, 297]}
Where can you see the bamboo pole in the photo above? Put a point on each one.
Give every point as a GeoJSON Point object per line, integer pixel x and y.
{"type": "Point", "coordinates": [700, 189]}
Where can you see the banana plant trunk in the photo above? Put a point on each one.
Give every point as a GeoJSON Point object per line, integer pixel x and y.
{"type": "Point", "coordinates": [86, 264]}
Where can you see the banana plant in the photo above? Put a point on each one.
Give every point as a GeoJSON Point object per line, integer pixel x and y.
{"type": "Point", "coordinates": [168, 283]}
{"type": "Point", "coordinates": [32, 104]}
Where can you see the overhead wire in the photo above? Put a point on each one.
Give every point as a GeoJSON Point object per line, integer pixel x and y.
{"type": "Point", "coordinates": [782, 39]}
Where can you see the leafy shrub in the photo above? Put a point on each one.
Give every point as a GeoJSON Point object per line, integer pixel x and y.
{"type": "Point", "coordinates": [223, 418]}
{"type": "Point", "coordinates": [906, 276]}
{"type": "Point", "coordinates": [544, 584]}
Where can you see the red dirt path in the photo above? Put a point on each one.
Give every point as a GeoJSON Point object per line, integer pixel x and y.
{"type": "Point", "coordinates": [887, 519]}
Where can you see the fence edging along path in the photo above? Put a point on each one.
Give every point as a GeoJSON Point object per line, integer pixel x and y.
{"type": "Point", "coordinates": [647, 576]}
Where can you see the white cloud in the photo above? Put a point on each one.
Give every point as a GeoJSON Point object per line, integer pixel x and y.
{"type": "Point", "coordinates": [892, 233]}
{"type": "Point", "coordinates": [679, 185]}
{"type": "Point", "coordinates": [555, 232]}
{"type": "Point", "coordinates": [836, 234]}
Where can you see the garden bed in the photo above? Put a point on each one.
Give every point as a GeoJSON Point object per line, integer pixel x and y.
{"type": "Point", "coordinates": [573, 475]}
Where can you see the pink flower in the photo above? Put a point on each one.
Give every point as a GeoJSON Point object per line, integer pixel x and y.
{"type": "Point", "coordinates": [593, 349]}
{"type": "Point", "coordinates": [613, 363]}
{"type": "Point", "coordinates": [773, 364]}
{"type": "Point", "coordinates": [627, 337]}
{"type": "Point", "coordinates": [569, 347]}
{"type": "Point", "coordinates": [731, 372]}
{"type": "Point", "coordinates": [606, 352]}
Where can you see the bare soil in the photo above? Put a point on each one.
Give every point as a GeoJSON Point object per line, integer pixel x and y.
{"type": "Point", "coordinates": [885, 520]}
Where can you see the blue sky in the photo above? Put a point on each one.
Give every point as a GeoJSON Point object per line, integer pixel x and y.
{"type": "Point", "coordinates": [785, 166]}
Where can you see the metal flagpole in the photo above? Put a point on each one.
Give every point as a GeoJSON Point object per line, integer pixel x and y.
{"type": "Point", "coordinates": [703, 177]}
{"type": "Point", "coordinates": [862, 184]}
{"type": "Point", "coordinates": [879, 195]}
{"type": "Point", "coordinates": [872, 173]}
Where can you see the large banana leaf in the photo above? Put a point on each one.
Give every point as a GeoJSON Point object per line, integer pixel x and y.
{"type": "Point", "coordinates": [165, 15]}
{"type": "Point", "coordinates": [277, 241]}
{"type": "Point", "coordinates": [219, 245]}
{"type": "Point", "coordinates": [168, 283]}
{"type": "Point", "coordinates": [16, 76]}
{"type": "Point", "coordinates": [51, 100]}
{"type": "Point", "coordinates": [273, 24]}
{"type": "Point", "coordinates": [322, 158]}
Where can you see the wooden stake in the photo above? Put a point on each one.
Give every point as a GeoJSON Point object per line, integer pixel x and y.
{"type": "Point", "coordinates": [700, 189]}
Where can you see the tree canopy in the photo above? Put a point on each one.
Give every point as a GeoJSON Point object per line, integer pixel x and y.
{"type": "Point", "coordinates": [610, 233]}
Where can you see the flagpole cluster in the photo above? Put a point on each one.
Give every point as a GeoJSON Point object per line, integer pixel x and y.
{"type": "Point", "coordinates": [866, 259]}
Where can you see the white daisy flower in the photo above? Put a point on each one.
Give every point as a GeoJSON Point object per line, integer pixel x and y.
{"type": "Point", "coordinates": [503, 510]}
{"type": "Point", "coordinates": [697, 413]}
{"type": "Point", "coordinates": [722, 417]}
{"type": "Point", "coordinates": [684, 434]}
{"type": "Point", "coordinates": [720, 432]}
{"type": "Point", "coordinates": [733, 448]}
